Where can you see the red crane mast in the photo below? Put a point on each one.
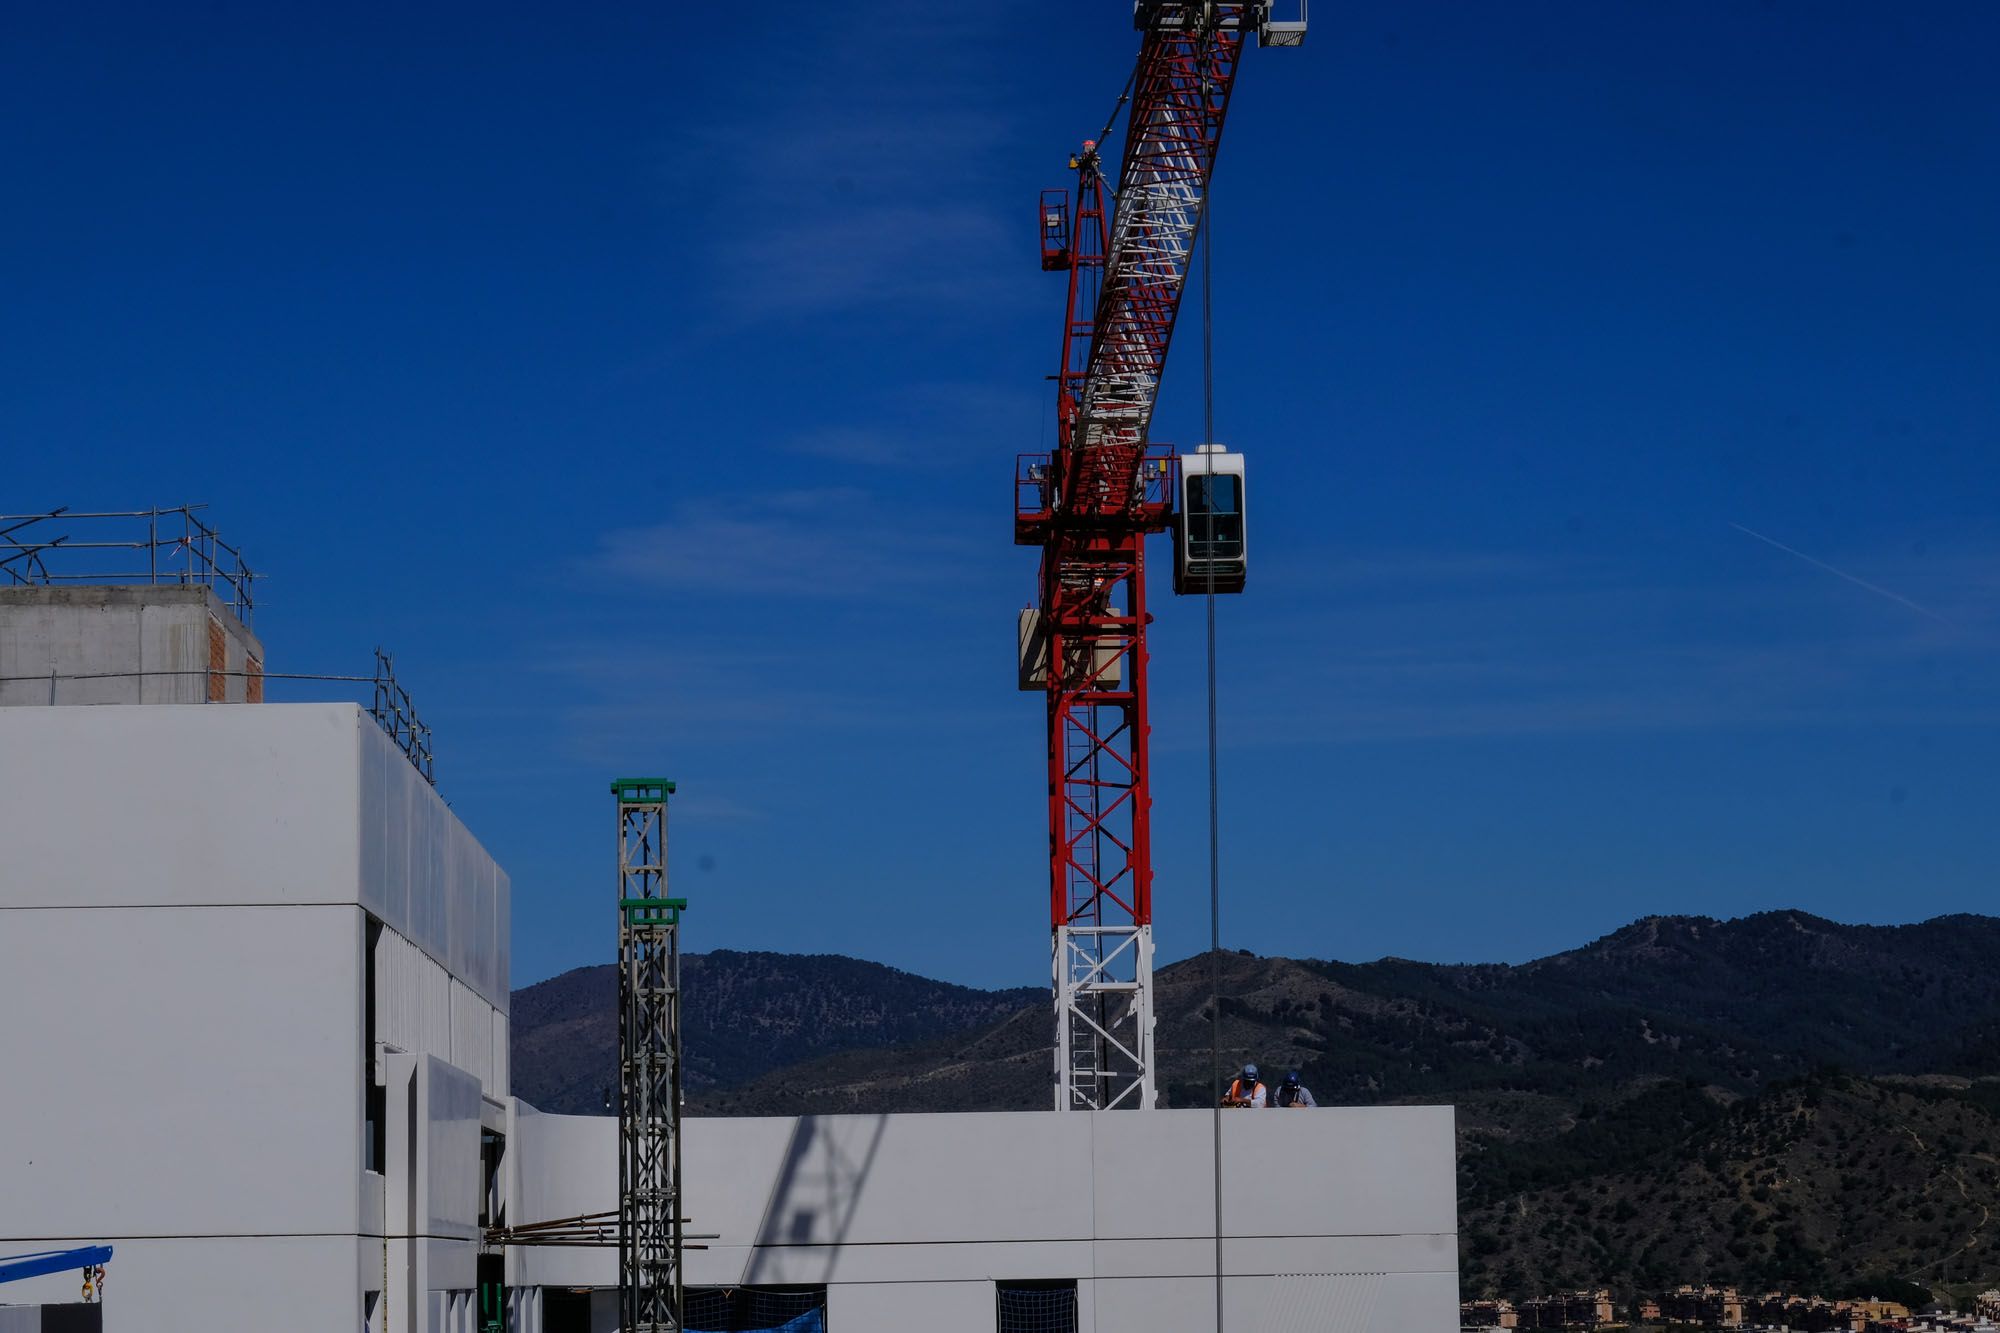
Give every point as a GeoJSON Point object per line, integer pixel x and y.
{"type": "Point", "coordinates": [1091, 504]}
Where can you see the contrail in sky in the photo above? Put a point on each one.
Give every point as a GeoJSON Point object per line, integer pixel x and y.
{"type": "Point", "coordinates": [1841, 573]}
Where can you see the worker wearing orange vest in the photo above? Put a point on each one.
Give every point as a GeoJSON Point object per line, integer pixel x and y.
{"type": "Point", "coordinates": [1246, 1090]}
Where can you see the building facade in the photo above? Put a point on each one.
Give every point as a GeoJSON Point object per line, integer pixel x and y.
{"type": "Point", "coordinates": [256, 975]}
{"type": "Point", "coordinates": [260, 974]}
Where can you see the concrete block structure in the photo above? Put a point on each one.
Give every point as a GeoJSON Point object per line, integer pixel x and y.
{"type": "Point", "coordinates": [151, 644]}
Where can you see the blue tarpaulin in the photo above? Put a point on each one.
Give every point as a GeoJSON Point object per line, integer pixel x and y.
{"type": "Point", "coordinates": [813, 1321]}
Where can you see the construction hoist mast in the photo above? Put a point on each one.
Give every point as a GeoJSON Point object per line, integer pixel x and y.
{"type": "Point", "coordinates": [1091, 504]}
{"type": "Point", "coordinates": [650, 1223]}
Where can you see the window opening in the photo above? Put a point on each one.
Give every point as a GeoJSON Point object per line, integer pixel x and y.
{"type": "Point", "coordinates": [1215, 516]}
{"type": "Point", "coordinates": [1037, 1307]}
{"type": "Point", "coordinates": [374, 1097]}
{"type": "Point", "coordinates": [754, 1310]}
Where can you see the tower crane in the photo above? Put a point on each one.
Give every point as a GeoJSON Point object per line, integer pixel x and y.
{"type": "Point", "coordinates": [1090, 505]}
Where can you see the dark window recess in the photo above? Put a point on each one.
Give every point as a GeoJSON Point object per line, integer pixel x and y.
{"type": "Point", "coordinates": [374, 1098]}
{"type": "Point", "coordinates": [73, 1318]}
{"type": "Point", "coordinates": [492, 1294]}
{"type": "Point", "coordinates": [565, 1310]}
{"type": "Point", "coordinates": [754, 1310]}
{"type": "Point", "coordinates": [1215, 517]}
{"type": "Point", "coordinates": [1037, 1307]}
{"type": "Point", "coordinates": [492, 1150]}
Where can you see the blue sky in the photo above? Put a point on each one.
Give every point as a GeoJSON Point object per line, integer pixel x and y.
{"type": "Point", "coordinates": [652, 391]}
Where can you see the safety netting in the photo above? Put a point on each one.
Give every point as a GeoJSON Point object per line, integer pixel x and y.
{"type": "Point", "coordinates": [754, 1310]}
{"type": "Point", "coordinates": [1037, 1307]}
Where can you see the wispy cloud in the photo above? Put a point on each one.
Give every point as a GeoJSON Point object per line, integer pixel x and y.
{"type": "Point", "coordinates": [861, 175]}
{"type": "Point", "coordinates": [829, 542]}
{"type": "Point", "coordinates": [935, 425]}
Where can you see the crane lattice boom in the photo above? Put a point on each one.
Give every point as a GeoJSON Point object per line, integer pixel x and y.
{"type": "Point", "coordinates": [1180, 95]}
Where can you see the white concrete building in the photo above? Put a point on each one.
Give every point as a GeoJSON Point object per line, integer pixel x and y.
{"type": "Point", "coordinates": [255, 982]}
{"type": "Point", "coordinates": [256, 979]}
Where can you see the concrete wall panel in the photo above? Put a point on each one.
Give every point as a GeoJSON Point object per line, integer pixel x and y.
{"type": "Point", "coordinates": [175, 1049]}
{"type": "Point", "coordinates": [909, 1202]}
{"type": "Point", "coordinates": [497, 1036]}
{"type": "Point", "coordinates": [909, 1261]}
{"type": "Point", "coordinates": [432, 881]}
{"type": "Point", "coordinates": [962, 1307]}
{"type": "Point", "coordinates": [178, 804]}
{"type": "Point", "coordinates": [449, 1107]}
{"type": "Point", "coordinates": [472, 1037]}
{"type": "Point", "coordinates": [1343, 1171]}
{"type": "Point", "coordinates": [861, 1180]}
{"type": "Point", "coordinates": [1168, 1305]}
{"type": "Point", "coordinates": [168, 639]}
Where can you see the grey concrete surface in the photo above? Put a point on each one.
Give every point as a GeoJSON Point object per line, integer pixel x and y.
{"type": "Point", "coordinates": [114, 636]}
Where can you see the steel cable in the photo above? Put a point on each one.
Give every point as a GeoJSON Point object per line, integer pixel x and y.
{"type": "Point", "coordinates": [1214, 817]}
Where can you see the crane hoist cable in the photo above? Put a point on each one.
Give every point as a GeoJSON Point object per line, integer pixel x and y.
{"type": "Point", "coordinates": [1214, 806]}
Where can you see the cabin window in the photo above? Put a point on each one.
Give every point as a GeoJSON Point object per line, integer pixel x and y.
{"type": "Point", "coordinates": [1215, 516]}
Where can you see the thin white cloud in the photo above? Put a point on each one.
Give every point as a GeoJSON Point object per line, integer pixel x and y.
{"type": "Point", "coordinates": [828, 543]}
{"type": "Point", "coordinates": [937, 425]}
{"type": "Point", "coordinates": [862, 176]}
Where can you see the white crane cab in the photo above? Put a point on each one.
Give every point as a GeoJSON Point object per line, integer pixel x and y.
{"type": "Point", "coordinates": [1209, 547]}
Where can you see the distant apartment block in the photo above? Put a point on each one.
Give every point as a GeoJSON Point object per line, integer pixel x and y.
{"type": "Point", "coordinates": [1711, 1307]}
{"type": "Point", "coordinates": [1570, 1309]}
{"type": "Point", "coordinates": [1488, 1314]}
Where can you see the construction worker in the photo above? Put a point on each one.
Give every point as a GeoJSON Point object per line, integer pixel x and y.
{"type": "Point", "coordinates": [1292, 1093]}
{"type": "Point", "coordinates": [1246, 1090]}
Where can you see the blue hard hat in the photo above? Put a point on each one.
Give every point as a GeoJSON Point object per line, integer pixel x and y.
{"type": "Point", "coordinates": [1292, 1077]}
{"type": "Point", "coordinates": [1250, 1071]}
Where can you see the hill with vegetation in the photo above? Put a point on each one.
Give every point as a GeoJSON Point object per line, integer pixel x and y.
{"type": "Point", "coordinates": [1778, 1100]}
{"type": "Point", "coordinates": [745, 1015]}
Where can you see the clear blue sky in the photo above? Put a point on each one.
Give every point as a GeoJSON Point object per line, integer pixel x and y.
{"type": "Point", "coordinates": [651, 388]}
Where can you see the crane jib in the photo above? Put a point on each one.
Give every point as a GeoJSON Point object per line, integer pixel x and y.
{"type": "Point", "coordinates": [1180, 98]}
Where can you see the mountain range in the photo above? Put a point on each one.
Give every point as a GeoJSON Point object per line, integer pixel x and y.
{"type": "Point", "coordinates": [1777, 1100]}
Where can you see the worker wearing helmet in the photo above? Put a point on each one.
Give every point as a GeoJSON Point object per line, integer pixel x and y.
{"type": "Point", "coordinates": [1292, 1093]}
{"type": "Point", "coordinates": [1246, 1090]}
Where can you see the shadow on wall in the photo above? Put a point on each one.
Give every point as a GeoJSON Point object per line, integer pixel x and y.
{"type": "Point", "coordinates": [815, 1196]}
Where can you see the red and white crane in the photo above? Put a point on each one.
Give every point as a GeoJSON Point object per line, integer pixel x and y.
{"type": "Point", "coordinates": [1091, 504]}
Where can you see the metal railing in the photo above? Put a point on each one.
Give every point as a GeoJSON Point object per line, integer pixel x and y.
{"type": "Point", "coordinates": [398, 716]}
{"type": "Point", "coordinates": [157, 546]}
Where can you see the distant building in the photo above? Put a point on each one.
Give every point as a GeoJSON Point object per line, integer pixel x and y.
{"type": "Point", "coordinates": [1937, 1323]}
{"type": "Point", "coordinates": [1804, 1314]}
{"type": "Point", "coordinates": [1488, 1314]}
{"type": "Point", "coordinates": [1987, 1305]}
{"type": "Point", "coordinates": [1872, 1311]}
{"type": "Point", "coordinates": [1573, 1309]}
{"type": "Point", "coordinates": [1711, 1307]}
